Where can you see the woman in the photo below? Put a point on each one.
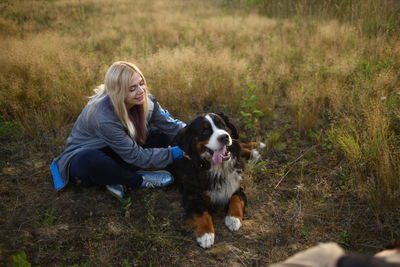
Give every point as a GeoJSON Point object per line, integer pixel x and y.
{"type": "Point", "coordinates": [110, 141]}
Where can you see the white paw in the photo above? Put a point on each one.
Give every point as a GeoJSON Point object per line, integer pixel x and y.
{"type": "Point", "coordinates": [206, 241]}
{"type": "Point", "coordinates": [232, 223]}
{"type": "Point", "coordinates": [262, 145]}
{"type": "Point", "coordinates": [255, 156]}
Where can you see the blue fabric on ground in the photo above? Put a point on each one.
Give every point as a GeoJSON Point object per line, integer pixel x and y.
{"type": "Point", "coordinates": [57, 180]}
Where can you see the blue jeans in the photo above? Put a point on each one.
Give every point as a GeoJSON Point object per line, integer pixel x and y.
{"type": "Point", "coordinates": [105, 167]}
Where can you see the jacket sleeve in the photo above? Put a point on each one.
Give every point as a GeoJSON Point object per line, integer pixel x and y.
{"type": "Point", "coordinates": [115, 136]}
{"type": "Point", "coordinates": [162, 120]}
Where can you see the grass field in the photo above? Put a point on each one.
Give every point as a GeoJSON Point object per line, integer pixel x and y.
{"type": "Point", "coordinates": [318, 81]}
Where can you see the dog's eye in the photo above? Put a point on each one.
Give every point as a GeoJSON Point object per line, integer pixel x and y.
{"type": "Point", "coordinates": [206, 131]}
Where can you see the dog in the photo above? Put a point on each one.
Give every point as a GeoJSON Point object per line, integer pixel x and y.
{"type": "Point", "coordinates": [210, 173]}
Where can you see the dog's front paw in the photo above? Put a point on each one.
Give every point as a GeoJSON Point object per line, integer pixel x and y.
{"type": "Point", "coordinates": [232, 223]}
{"type": "Point", "coordinates": [206, 240]}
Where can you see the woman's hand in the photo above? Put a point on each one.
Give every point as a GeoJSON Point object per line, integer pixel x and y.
{"type": "Point", "coordinates": [177, 153]}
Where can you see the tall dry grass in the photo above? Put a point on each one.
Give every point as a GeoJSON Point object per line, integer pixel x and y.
{"type": "Point", "coordinates": [332, 64]}
{"type": "Point", "coordinates": [43, 87]}
{"type": "Point", "coordinates": [370, 16]}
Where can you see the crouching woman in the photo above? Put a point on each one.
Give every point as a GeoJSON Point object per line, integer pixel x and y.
{"type": "Point", "coordinates": [120, 131]}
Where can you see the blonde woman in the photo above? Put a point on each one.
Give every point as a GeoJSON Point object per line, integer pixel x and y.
{"type": "Point", "coordinates": [110, 141]}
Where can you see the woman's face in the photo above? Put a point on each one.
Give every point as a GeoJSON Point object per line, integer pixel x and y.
{"type": "Point", "coordinates": [136, 92]}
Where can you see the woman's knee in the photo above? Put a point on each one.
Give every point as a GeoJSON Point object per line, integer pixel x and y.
{"type": "Point", "coordinates": [85, 165]}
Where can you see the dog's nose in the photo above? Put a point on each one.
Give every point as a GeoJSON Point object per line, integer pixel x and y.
{"type": "Point", "coordinates": [224, 139]}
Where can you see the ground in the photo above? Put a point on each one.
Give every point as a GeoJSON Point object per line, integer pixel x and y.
{"type": "Point", "coordinates": [298, 196]}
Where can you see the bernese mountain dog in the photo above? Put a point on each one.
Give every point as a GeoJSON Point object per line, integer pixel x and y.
{"type": "Point", "coordinates": [210, 173]}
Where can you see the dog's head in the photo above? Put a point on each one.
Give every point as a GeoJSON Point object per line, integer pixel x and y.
{"type": "Point", "coordinates": [208, 137]}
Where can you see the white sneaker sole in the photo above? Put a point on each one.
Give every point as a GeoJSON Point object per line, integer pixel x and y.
{"type": "Point", "coordinates": [115, 192]}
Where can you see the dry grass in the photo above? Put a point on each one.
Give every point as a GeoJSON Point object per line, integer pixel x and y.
{"type": "Point", "coordinates": [360, 13]}
{"type": "Point", "coordinates": [43, 87]}
{"type": "Point", "coordinates": [198, 83]}
{"type": "Point", "coordinates": [330, 67]}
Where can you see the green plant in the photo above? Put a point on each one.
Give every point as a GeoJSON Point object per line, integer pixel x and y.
{"type": "Point", "coordinates": [151, 219]}
{"type": "Point", "coordinates": [274, 141]}
{"type": "Point", "coordinates": [249, 113]}
{"type": "Point", "coordinates": [8, 128]}
{"type": "Point", "coordinates": [259, 169]}
{"type": "Point", "coordinates": [126, 203]}
{"type": "Point", "coordinates": [20, 260]}
{"type": "Point", "coordinates": [50, 217]}
{"type": "Point", "coordinates": [86, 264]}
{"type": "Point", "coordinates": [305, 230]}
{"type": "Point", "coordinates": [126, 263]}
{"type": "Point", "coordinates": [345, 176]}
{"type": "Point", "coordinates": [344, 237]}
{"type": "Point", "coordinates": [324, 198]}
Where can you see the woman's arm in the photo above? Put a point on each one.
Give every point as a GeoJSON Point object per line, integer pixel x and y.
{"type": "Point", "coordinates": [161, 119]}
{"type": "Point", "coordinates": [115, 136]}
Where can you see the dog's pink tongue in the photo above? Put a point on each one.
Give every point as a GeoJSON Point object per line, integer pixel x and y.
{"type": "Point", "coordinates": [217, 156]}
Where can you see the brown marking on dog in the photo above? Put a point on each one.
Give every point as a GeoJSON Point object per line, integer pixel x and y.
{"type": "Point", "coordinates": [236, 207]}
{"type": "Point", "coordinates": [246, 148]}
{"type": "Point", "coordinates": [206, 195]}
{"type": "Point", "coordinates": [200, 146]}
{"type": "Point", "coordinates": [250, 145]}
{"type": "Point", "coordinates": [203, 224]}
{"type": "Point", "coordinates": [245, 153]}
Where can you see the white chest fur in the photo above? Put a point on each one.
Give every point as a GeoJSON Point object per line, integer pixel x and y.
{"type": "Point", "coordinates": [229, 182]}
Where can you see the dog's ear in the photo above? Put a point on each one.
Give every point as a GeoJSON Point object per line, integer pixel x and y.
{"type": "Point", "coordinates": [234, 132]}
{"type": "Point", "coordinates": [183, 139]}
{"type": "Point", "coordinates": [186, 140]}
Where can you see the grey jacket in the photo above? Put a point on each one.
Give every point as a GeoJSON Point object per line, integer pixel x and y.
{"type": "Point", "coordinates": [103, 128]}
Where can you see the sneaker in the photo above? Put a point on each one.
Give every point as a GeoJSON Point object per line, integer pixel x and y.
{"type": "Point", "coordinates": [152, 179]}
{"type": "Point", "coordinates": [117, 190]}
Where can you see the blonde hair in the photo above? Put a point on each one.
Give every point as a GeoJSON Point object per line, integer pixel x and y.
{"type": "Point", "coordinates": [116, 85]}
